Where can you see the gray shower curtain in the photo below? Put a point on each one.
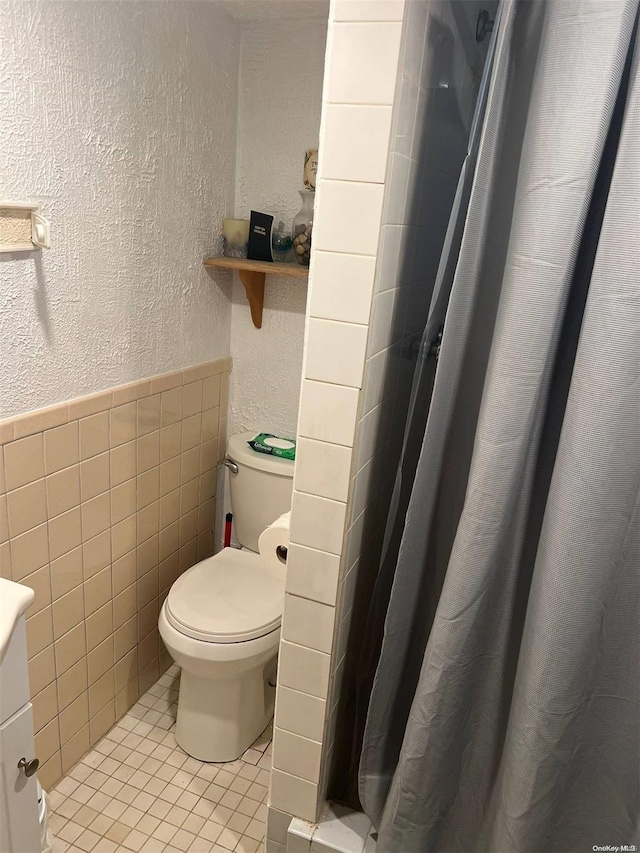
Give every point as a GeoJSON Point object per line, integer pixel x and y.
{"type": "Point", "coordinates": [505, 713]}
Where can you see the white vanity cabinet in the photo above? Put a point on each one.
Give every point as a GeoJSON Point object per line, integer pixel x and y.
{"type": "Point", "coordinates": [19, 827]}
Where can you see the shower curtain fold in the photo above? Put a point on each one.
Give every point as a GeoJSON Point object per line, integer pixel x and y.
{"type": "Point", "coordinates": [504, 711]}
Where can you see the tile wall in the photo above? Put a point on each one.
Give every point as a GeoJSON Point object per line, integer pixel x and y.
{"type": "Point", "coordinates": [395, 74]}
{"type": "Point", "coordinates": [360, 80]}
{"type": "Point", "coordinates": [104, 501]}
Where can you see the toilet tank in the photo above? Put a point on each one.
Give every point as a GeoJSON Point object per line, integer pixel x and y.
{"type": "Point", "coordinates": [260, 490]}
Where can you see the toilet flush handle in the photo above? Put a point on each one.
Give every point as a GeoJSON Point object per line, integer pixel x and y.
{"type": "Point", "coordinates": [231, 465]}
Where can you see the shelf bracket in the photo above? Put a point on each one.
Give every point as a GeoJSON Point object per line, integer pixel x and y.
{"type": "Point", "coordinates": [254, 287]}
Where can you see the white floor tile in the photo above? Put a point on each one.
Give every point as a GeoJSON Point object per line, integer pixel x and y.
{"type": "Point", "coordinates": [138, 791]}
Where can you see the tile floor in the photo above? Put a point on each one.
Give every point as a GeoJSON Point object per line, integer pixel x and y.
{"type": "Point", "coordinates": [138, 791]}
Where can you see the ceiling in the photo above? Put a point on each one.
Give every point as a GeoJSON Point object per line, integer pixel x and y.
{"type": "Point", "coordinates": [268, 10]}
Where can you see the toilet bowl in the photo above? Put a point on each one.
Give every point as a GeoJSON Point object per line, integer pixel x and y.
{"type": "Point", "coordinates": [221, 620]}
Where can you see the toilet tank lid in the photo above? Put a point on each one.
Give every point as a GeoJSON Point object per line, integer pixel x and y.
{"type": "Point", "coordinates": [240, 452]}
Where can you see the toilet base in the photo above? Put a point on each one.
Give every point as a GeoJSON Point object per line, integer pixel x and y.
{"type": "Point", "coordinates": [218, 720]}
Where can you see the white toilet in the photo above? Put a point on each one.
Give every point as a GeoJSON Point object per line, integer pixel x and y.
{"type": "Point", "coordinates": [221, 619]}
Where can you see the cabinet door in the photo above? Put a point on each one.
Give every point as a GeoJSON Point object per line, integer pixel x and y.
{"type": "Point", "coordinates": [19, 828]}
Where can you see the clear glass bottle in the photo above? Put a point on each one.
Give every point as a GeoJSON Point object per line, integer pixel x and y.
{"type": "Point", "coordinates": [302, 228]}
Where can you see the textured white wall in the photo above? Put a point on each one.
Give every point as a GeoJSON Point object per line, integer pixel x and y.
{"type": "Point", "coordinates": [120, 117]}
{"type": "Point", "coordinates": [281, 73]}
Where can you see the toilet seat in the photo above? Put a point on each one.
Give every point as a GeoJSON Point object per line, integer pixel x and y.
{"type": "Point", "coordinates": [228, 598]}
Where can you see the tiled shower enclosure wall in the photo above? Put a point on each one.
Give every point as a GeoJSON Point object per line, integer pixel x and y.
{"type": "Point", "coordinates": [104, 501]}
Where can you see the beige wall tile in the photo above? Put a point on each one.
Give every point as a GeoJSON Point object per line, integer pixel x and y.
{"type": "Point", "coordinates": [211, 392]}
{"type": "Point", "coordinates": [148, 414]}
{"type": "Point", "coordinates": [148, 619]}
{"type": "Point", "coordinates": [72, 683]}
{"type": "Point", "coordinates": [206, 515]}
{"type": "Point", "coordinates": [189, 496]}
{"type": "Point", "coordinates": [100, 660]}
{"type": "Point", "coordinates": [94, 435]}
{"type": "Point", "coordinates": [96, 516]}
{"type": "Point", "coordinates": [66, 573]}
{"type": "Point", "coordinates": [123, 572]}
{"type": "Point", "coordinates": [148, 556]}
{"type": "Point", "coordinates": [171, 407]}
{"type": "Point", "coordinates": [29, 552]}
{"type": "Point", "coordinates": [126, 697]}
{"type": "Point", "coordinates": [123, 501]}
{"type": "Point", "coordinates": [4, 517]}
{"type": "Point", "coordinates": [65, 533]}
{"type": "Point", "coordinates": [125, 638]}
{"type": "Point", "coordinates": [123, 463]}
{"type": "Point", "coordinates": [148, 487]}
{"type": "Point", "coordinates": [40, 583]}
{"type": "Point", "coordinates": [99, 615]}
{"type": "Point", "coordinates": [165, 381]}
{"type": "Point", "coordinates": [45, 706]}
{"type": "Point", "coordinates": [24, 461]}
{"type": "Point", "coordinates": [191, 428]}
{"type": "Point", "coordinates": [148, 676]}
{"type": "Point", "coordinates": [190, 464]}
{"type": "Point", "coordinates": [168, 571]}
{"type": "Point", "coordinates": [102, 722]}
{"type": "Point", "coordinates": [196, 371]}
{"type": "Point", "coordinates": [68, 611]}
{"type": "Point", "coordinates": [75, 748]}
{"type": "Point", "coordinates": [90, 404]}
{"type": "Point", "coordinates": [192, 398]}
{"type": "Point", "coordinates": [50, 772]}
{"type": "Point", "coordinates": [124, 606]}
{"type": "Point", "coordinates": [208, 484]}
{"type": "Point", "coordinates": [210, 424]}
{"type": "Point", "coordinates": [148, 450]}
{"type": "Point", "coordinates": [169, 540]}
{"type": "Point", "coordinates": [205, 545]}
{"type": "Point", "coordinates": [123, 537]}
{"type": "Point", "coordinates": [27, 507]}
{"type": "Point", "coordinates": [74, 717]}
{"type": "Point", "coordinates": [42, 670]}
{"type": "Point", "coordinates": [123, 424]}
{"type": "Point", "coordinates": [148, 587]}
{"type": "Point", "coordinates": [96, 554]}
{"type": "Point", "coordinates": [169, 508]}
{"type": "Point", "coordinates": [63, 490]}
{"type": "Point", "coordinates": [148, 520]}
{"type": "Point", "coordinates": [188, 526]}
{"type": "Point", "coordinates": [222, 439]}
{"type": "Point", "coordinates": [170, 475]}
{"type": "Point", "coordinates": [5, 562]}
{"type": "Point", "coordinates": [170, 441]}
{"type": "Point", "coordinates": [101, 692]}
{"type": "Point", "coordinates": [70, 649]}
{"type": "Point", "coordinates": [188, 555]}
{"type": "Point", "coordinates": [47, 741]}
{"type": "Point", "coordinates": [6, 430]}
{"type": "Point", "coordinates": [39, 631]}
{"type": "Point", "coordinates": [97, 591]}
{"type": "Point", "coordinates": [94, 476]}
{"type": "Point", "coordinates": [126, 670]}
{"type": "Point", "coordinates": [99, 625]}
{"type": "Point", "coordinates": [130, 392]}
{"type": "Point", "coordinates": [61, 447]}
{"type": "Point", "coordinates": [147, 650]}
{"type": "Point", "coordinates": [41, 419]}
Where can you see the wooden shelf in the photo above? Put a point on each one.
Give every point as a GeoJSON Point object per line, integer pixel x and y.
{"type": "Point", "coordinates": [252, 276]}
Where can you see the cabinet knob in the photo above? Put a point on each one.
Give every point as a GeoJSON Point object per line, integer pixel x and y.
{"type": "Point", "coordinates": [29, 767]}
